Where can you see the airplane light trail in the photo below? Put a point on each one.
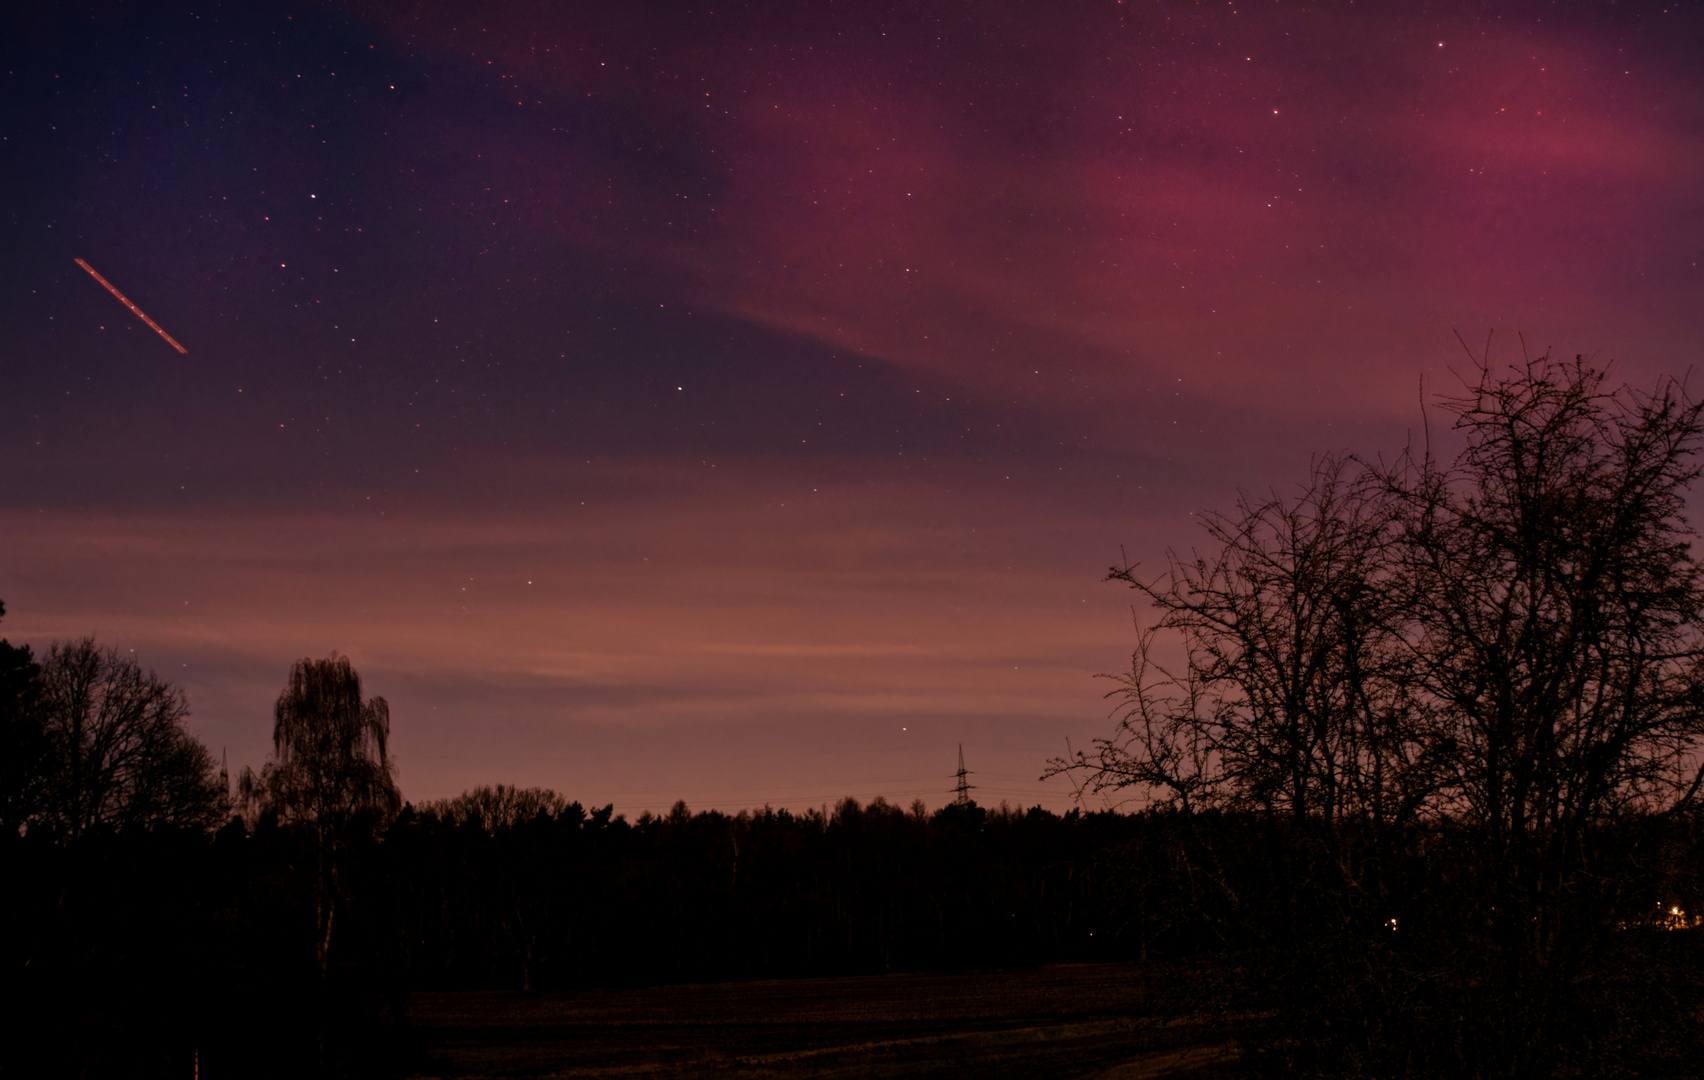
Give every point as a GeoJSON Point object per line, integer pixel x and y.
{"type": "Point", "coordinates": [138, 312]}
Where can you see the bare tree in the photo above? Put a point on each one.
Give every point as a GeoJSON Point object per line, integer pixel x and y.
{"type": "Point", "coordinates": [500, 806]}
{"type": "Point", "coordinates": [118, 756]}
{"type": "Point", "coordinates": [23, 737]}
{"type": "Point", "coordinates": [330, 761]}
{"type": "Point", "coordinates": [1288, 695]}
{"type": "Point", "coordinates": [1555, 627]}
{"type": "Point", "coordinates": [330, 772]}
{"type": "Point", "coordinates": [1497, 661]}
{"type": "Point", "coordinates": [1554, 609]}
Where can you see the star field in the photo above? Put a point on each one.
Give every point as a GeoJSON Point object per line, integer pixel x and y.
{"type": "Point", "coordinates": [741, 403]}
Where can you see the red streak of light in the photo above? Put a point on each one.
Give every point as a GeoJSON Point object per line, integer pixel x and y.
{"type": "Point", "coordinates": [138, 312]}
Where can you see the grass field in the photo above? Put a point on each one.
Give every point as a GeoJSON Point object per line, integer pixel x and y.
{"type": "Point", "coordinates": [1100, 1020]}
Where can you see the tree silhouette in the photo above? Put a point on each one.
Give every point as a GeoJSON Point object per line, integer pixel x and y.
{"type": "Point", "coordinates": [23, 737]}
{"type": "Point", "coordinates": [330, 773]}
{"type": "Point", "coordinates": [499, 806]}
{"type": "Point", "coordinates": [1290, 696]}
{"type": "Point", "coordinates": [1554, 628]}
{"type": "Point", "coordinates": [117, 756]}
{"type": "Point", "coordinates": [1450, 689]}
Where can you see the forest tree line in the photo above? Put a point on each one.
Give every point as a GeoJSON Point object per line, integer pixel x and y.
{"type": "Point", "coordinates": [164, 909]}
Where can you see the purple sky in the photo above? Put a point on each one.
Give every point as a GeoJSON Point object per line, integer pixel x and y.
{"type": "Point", "coordinates": [743, 404]}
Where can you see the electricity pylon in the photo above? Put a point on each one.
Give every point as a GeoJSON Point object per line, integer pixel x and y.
{"type": "Point", "coordinates": [962, 796]}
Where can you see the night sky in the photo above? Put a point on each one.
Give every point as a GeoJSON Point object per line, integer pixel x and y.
{"type": "Point", "coordinates": [743, 403]}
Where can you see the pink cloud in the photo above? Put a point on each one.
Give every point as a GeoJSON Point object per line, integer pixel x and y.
{"type": "Point", "coordinates": [1291, 210]}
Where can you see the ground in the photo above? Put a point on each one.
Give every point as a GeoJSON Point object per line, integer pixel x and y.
{"type": "Point", "coordinates": [1088, 1020]}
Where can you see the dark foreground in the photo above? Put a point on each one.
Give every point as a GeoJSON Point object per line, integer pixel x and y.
{"type": "Point", "coordinates": [1101, 1020]}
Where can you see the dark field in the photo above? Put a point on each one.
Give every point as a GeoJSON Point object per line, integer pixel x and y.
{"type": "Point", "coordinates": [1101, 1020]}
